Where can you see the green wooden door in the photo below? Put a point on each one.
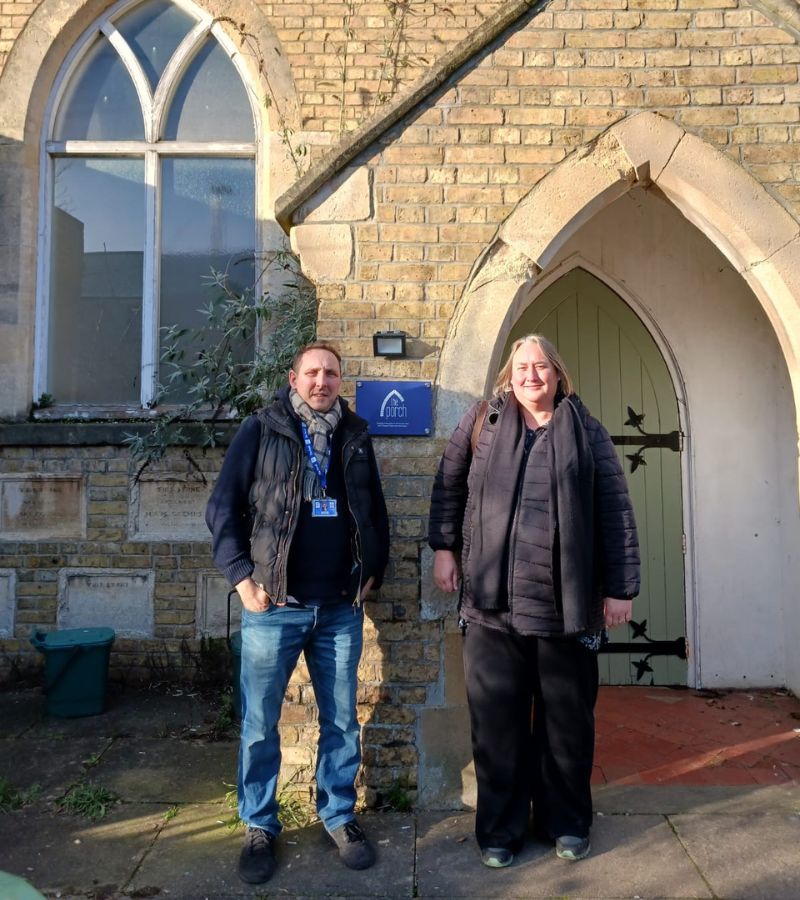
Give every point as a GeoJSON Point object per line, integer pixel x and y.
{"type": "Point", "coordinates": [622, 378]}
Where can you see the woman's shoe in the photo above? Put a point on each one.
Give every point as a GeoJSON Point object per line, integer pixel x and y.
{"type": "Point", "coordinates": [572, 848]}
{"type": "Point", "coordinates": [496, 857]}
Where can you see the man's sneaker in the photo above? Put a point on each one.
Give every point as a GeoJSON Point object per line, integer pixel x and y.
{"type": "Point", "coordinates": [355, 851]}
{"type": "Point", "coordinates": [572, 848]}
{"type": "Point", "coordinates": [257, 859]}
{"type": "Point", "coordinates": [496, 857]}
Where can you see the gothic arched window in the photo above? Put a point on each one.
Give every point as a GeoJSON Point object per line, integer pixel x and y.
{"type": "Point", "coordinates": [148, 185]}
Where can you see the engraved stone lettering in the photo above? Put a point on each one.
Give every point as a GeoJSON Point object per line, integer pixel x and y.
{"type": "Point", "coordinates": [32, 508]}
{"type": "Point", "coordinates": [170, 509]}
{"type": "Point", "coordinates": [122, 600]}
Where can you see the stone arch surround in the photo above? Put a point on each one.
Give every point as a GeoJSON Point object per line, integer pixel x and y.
{"type": "Point", "coordinates": [754, 232]}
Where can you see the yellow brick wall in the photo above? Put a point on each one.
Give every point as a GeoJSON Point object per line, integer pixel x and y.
{"type": "Point", "coordinates": [719, 67]}
{"type": "Point", "coordinates": [446, 179]}
{"type": "Point", "coordinates": [401, 654]}
{"type": "Point", "coordinates": [443, 181]}
{"type": "Point", "coordinates": [344, 53]}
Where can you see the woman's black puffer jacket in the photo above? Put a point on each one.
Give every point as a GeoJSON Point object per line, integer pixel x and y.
{"type": "Point", "coordinates": [532, 602]}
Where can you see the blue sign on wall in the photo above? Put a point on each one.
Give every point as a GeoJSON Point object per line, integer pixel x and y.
{"type": "Point", "coordinates": [396, 407]}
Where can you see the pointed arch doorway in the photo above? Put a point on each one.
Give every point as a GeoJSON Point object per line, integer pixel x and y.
{"type": "Point", "coordinates": [622, 377]}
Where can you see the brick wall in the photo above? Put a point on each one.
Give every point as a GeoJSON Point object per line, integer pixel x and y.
{"type": "Point", "coordinates": [446, 178]}
{"type": "Point", "coordinates": [106, 546]}
{"type": "Point", "coordinates": [443, 181]}
{"type": "Point", "coordinates": [347, 56]}
{"type": "Point", "coordinates": [721, 68]}
{"type": "Point", "coordinates": [401, 657]}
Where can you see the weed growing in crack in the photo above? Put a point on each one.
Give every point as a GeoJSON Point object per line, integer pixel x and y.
{"type": "Point", "coordinates": [93, 801]}
{"type": "Point", "coordinates": [12, 798]}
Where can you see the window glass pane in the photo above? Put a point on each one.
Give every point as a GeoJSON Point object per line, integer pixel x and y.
{"type": "Point", "coordinates": [207, 223]}
{"type": "Point", "coordinates": [100, 103]}
{"type": "Point", "coordinates": [154, 31]}
{"type": "Point", "coordinates": [95, 326]}
{"type": "Point", "coordinates": [210, 103]}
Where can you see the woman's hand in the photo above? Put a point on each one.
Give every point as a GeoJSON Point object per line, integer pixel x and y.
{"type": "Point", "coordinates": [445, 570]}
{"type": "Point", "coordinates": [367, 589]}
{"type": "Point", "coordinates": [254, 598]}
{"type": "Point", "coordinates": [617, 612]}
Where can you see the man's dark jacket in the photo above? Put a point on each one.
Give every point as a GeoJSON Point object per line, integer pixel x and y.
{"type": "Point", "coordinates": [254, 509]}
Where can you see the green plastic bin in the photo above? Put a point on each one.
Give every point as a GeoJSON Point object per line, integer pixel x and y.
{"type": "Point", "coordinates": [76, 669]}
{"type": "Point", "coordinates": [15, 888]}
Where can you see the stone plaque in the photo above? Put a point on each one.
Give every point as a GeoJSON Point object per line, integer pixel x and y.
{"type": "Point", "coordinates": [121, 599]}
{"type": "Point", "coordinates": [34, 507]}
{"type": "Point", "coordinates": [212, 607]}
{"type": "Point", "coordinates": [169, 510]}
{"type": "Point", "coordinates": [7, 602]}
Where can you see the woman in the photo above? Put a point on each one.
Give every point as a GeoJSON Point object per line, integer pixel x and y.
{"type": "Point", "coordinates": [530, 513]}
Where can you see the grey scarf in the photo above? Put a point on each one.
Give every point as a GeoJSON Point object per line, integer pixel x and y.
{"type": "Point", "coordinates": [571, 513]}
{"type": "Point", "coordinates": [320, 429]}
{"type": "Point", "coordinates": [572, 509]}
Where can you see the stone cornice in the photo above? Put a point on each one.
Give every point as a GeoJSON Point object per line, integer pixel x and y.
{"type": "Point", "coordinates": [96, 434]}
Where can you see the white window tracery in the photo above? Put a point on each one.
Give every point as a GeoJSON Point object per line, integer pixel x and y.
{"type": "Point", "coordinates": [148, 183]}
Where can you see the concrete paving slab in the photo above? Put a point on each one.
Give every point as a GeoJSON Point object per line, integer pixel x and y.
{"type": "Point", "coordinates": [135, 712]}
{"type": "Point", "coordinates": [19, 711]}
{"type": "Point", "coordinates": [312, 866]}
{"type": "Point", "coordinates": [195, 856]}
{"type": "Point", "coordinates": [71, 855]}
{"type": "Point", "coordinates": [169, 771]}
{"type": "Point", "coordinates": [52, 765]}
{"type": "Point", "coordinates": [675, 799]}
{"type": "Point", "coordinates": [750, 857]}
{"type": "Point", "coordinates": [632, 856]}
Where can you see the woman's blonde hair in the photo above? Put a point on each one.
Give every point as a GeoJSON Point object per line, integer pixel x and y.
{"type": "Point", "coordinates": [503, 383]}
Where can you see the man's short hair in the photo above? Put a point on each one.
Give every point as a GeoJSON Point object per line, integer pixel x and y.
{"type": "Point", "coordinates": [316, 345]}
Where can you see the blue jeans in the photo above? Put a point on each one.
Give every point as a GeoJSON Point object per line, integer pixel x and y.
{"type": "Point", "coordinates": [332, 637]}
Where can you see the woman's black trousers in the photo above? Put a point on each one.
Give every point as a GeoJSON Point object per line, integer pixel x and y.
{"type": "Point", "coordinates": [531, 703]}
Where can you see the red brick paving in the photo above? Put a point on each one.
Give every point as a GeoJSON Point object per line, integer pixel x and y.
{"type": "Point", "coordinates": [678, 736]}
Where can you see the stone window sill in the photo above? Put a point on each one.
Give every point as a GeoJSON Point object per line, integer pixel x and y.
{"type": "Point", "coordinates": [75, 433]}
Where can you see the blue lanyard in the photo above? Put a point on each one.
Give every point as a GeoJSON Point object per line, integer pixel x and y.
{"type": "Point", "coordinates": [312, 458]}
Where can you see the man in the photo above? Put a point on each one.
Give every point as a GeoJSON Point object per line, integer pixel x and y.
{"type": "Point", "coordinates": [300, 530]}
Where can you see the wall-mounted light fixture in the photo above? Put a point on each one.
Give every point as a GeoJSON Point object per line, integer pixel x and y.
{"type": "Point", "coordinates": [389, 343]}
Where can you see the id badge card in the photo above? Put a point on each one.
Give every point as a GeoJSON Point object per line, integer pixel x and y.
{"type": "Point", "coordinates": [323, 508]}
